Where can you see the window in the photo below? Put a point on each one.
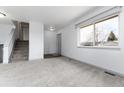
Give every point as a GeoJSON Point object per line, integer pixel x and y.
{"type": "Point", "coordinates": [103, 33]}
{"type": "Point", "coordinates": [106, 32]}
{"type": "Point", "coordinates": [86, 36]}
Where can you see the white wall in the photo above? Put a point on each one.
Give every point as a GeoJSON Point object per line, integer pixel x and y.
{"type": "Point", "coordinates": [110, 59]}
{"type": "Point", "coordinates": [36, 40]}
{"type": "Point", "coordinates": [17, 29]}
{"type": "Point", "coordinates": [7, 38]}
{"type": "Point", "coordinates": [8, 46]}
{"type": "Point", "coordinates": [49, 42]}
{"type": "Point", "coordinates": [5, 29]}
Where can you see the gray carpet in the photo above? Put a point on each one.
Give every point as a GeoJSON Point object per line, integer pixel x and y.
{"type": "Point", "coordinates": [55, 72]}
{"type": "Point", "coordinates": [51, 55]}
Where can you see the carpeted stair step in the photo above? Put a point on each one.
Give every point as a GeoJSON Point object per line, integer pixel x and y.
{"type": "Point", "coordinates": [20, 51]}
{"type": "Point", "coordinates": [20, 55]}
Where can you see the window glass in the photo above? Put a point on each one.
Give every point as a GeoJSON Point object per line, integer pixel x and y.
{"type": "Point", "coordinates": [87, 36]}
{"type": "Point", "coordinates": [106, 32]}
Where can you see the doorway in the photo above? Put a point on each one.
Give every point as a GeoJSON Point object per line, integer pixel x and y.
{"type": "Point", "coordinates": [59, 38]}
{"type": "Point", "coordinates": [1, 53]}
{"type": "Point", "coordinates": [54, 40]}
{"type": "Point", "coordinates": [24, 31]}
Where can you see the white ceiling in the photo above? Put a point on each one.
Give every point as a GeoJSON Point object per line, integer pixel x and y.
{"type": "Point", "coordinates": [57, 16]}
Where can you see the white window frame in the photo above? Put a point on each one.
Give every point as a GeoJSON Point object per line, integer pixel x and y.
{"type": "Point", "coordinates": [95, 46]}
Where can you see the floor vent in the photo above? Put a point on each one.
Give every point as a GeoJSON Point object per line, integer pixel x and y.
{"type": "Point", "coordinates": [109, 73]}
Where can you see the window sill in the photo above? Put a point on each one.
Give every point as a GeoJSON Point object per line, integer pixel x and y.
{"type": "Point", "coordinates": [100, 47]}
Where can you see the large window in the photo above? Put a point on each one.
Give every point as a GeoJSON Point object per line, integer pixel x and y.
{"type": "Point", "coordinates": [103, 33]}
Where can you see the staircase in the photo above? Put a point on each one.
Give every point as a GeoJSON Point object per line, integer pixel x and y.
{"type": "Point", "coordinates": [20, 51]}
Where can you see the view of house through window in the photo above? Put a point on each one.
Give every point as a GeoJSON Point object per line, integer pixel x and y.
{"type": "Point", "coordinates": [106, 33]}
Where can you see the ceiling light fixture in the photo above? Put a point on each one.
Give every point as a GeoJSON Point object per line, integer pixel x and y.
{"type": "Point", "coordinates": [2, 15]}
{"type": "Point", "coordinates": [52, 28]}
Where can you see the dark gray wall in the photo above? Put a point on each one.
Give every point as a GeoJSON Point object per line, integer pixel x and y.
{"type": "Point", "coordinates": [1, 53]}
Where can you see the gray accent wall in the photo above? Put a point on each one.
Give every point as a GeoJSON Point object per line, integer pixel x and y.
{"type": "Point", "coordinates": [1, 53]}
